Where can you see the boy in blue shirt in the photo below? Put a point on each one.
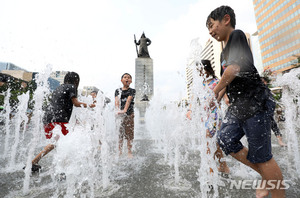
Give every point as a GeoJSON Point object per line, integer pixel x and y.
{"type": "Point", "coordinates": [251, 102]}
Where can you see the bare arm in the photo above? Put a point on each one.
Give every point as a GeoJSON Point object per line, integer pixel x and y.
{"type": "Point", "coordinates": [76, 103]}
{"type": "Point", "coordinates": [228, 76]}
{"type": "Point", "coordinates": [129, 99]}
{"type": "Point", "coordinates": [226, 100]}
{"type": "Point", "coordinates": [117, 103]}
{"type": "Point", "coordinates": [189, 112]}
{"type": "Point", "coordinates": [221, 94]}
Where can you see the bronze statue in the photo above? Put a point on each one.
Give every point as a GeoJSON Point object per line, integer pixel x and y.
{"type": "Point", "coordinates": [143, 43]}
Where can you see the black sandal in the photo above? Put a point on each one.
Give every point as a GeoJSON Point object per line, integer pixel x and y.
{"type": "Point", "coordinates": [34, 168]}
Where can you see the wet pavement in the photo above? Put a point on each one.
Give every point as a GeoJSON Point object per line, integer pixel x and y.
{"type": "Point", "coordinates": [146, 175]}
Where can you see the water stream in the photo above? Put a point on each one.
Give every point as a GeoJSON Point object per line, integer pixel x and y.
{"type": "Point", "coordinates": [170, 151]}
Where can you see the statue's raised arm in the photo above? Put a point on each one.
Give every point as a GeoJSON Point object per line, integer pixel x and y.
{"type": "Point", "coordinates": [143, 43]}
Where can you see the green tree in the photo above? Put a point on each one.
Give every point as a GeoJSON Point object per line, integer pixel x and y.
{"type": "Point", "coordinates": [16, 89]}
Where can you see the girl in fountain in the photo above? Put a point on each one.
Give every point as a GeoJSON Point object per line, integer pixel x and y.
{"type": "Point", "coordinates": [59, 112]}
{"type": "Point", "coordinates": [124, 104]}
{"type": "Point", "coordinates": [213, 119]}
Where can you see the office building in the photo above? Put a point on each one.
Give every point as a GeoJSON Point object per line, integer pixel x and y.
{"type": "Point", "coordinates": [278, 24]}
{"type": "Point", "coordinates": [59, 76]}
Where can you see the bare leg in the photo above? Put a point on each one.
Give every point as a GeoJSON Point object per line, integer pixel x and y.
{"type": "Point", "coordinates": [268, 170]}
{"type": "Point", "coordinates": [44, 152]}
{"type": "Point", "coordinates": [208, 149]}
{"type": "Point", "coordinates": [223, 165]}
{"type": "Point", "coordinates": [120, 146]}
{"type": "Point", "coordinates": [219, 154]}
{"type": "Point", "coordinates": [271, 171]}
{"type": "Point", "coordinates": [242, 157]}
{"type": "Point", "coordinates": [129, 146]}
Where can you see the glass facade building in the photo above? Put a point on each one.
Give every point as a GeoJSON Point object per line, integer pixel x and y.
{"type": "Point", "coordinates": [278, 24]}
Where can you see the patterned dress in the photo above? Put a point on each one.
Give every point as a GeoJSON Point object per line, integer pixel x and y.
{"type": "Point", "coordinates": [213, 120]}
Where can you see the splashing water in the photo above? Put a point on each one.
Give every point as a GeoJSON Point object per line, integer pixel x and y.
{"type": "Point", "coordinates": [179, 138]}
{"type": "Point", "coordinates": [5, 119]}
{"type": "Point", "coordinates": [290, 83]}
{"type": "Point", "coordinates": [38, 97]}
{"type": "Point", "coordinates": [20, 118]}
{"type": "Point", "coordinates": [83, 158]}
{"type": "Point", "coordinates": [174, 160]}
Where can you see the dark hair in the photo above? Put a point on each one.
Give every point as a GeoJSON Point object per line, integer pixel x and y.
{"type": "Point", "coordinates": [208, 68]}
{"type": "Point", "coordinates": [72, 78]}
{"type": "Point", "coordinates": [126, 74]}
{"type": "Point", "coordinates": [219, 13]}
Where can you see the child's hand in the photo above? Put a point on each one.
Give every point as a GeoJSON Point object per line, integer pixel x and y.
{"type": "Point", "coordinates": [121, 112]}
{"type": "Point", "coordinates": [92, 105]}
{"type": "Point", "coordinates": [216, 94]}
{"type": "Point", "coordinates": [212, 105]}
{"type": "Point", "coordinates": [189, 114]}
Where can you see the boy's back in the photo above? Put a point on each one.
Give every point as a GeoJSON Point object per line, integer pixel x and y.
{"type": "Point", "coordinates": [61, 105]}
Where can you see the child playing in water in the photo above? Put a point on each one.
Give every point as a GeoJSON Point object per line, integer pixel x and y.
{"type": "Point", "coordinates": [94, 96]}
{"type": "Point", "coordinates": [59, 112]}
{"type": "Point", "coordinates": [251, 103]}
{"type": "Point", "coordinates": [213, 119]}
{"type": "Point", "coordinates": [124, 104]}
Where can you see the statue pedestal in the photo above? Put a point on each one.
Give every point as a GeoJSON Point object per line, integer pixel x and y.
{"type": "Point", "coordinates": [143, 83]}
{"type": "Point", "coordinates": [142, 107]}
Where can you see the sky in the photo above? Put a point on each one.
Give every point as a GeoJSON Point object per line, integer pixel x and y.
{"type": "Point", "coordinates": [95, 38]}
